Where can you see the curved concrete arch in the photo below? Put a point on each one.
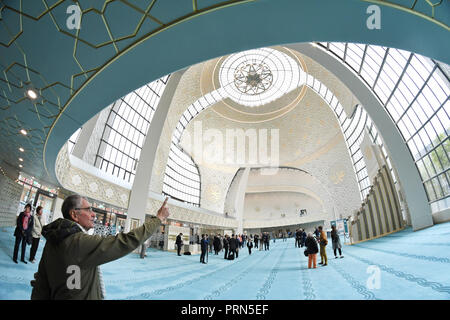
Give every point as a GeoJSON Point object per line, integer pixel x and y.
{"type": "Point", "coordinates": [307, 184]}
{"type": "Point", "coordinates": [407, 172]}
{"type": "Point", "coordinates": [271, 23]}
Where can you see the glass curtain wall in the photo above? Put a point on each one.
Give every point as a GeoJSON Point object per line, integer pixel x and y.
{"type": "Point", "coordinates": [415, 92]}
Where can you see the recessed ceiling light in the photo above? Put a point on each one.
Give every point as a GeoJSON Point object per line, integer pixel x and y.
{"type": "Point", "coordinates": [20, 159]}
{"type": "Point", "coordinates": [21, 149]}
{"type": "Point", "coordinates": [20, 166]}
{"type": "Point", "coordinates": [32, 94]}
{"type": "Point", "coordinates": [23, 131]}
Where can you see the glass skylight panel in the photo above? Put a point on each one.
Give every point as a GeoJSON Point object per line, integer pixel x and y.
{"type": "Point", "coordinates": [396, 63]}
{"type": "Point", "coordinates": [338, 49]}
{"type": "Point", "coordinates": [125, 131]}
{"type": "Point", "coordinates": [368, 73]}
{"type": "Point", "coordinates": [259, 76]}
{"type": "Point", "coordinates": [354, 56]}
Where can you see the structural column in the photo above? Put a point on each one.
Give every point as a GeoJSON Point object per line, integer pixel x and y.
{"type": "Point", "coordinates": [240, 198]}
{"type": "Point", "coordinates": [141, 185]}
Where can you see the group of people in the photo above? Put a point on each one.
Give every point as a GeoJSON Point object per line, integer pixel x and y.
{"type": "Point", "coordinates": [261, 240]}
{"type": "Point", "coordinates": [300, 238]}
{"type": "Point", "coordinates": [28, 231]}
{"type": "Point", "coordinates": [319, 239]}
{"type": "Point", "coordinates": [68, 244]}
{"type": "Point", "coordinates": [232, 245]}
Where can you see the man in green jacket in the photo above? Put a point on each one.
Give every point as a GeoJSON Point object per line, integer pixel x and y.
{"type": "Point", "coordinates": [69, 267]}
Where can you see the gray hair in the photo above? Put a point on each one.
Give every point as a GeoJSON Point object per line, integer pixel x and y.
{"type": "Point", "coordinates": [70, 203]}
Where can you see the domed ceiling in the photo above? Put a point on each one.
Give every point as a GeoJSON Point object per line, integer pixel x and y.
{"type": "Point", "coordinates": [265, 98]}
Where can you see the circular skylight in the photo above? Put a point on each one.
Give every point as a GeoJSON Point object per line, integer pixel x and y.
{"type": "Point", "coordinates": [253, 78]}
{"type": "Point", "coordinates": [256, 77]}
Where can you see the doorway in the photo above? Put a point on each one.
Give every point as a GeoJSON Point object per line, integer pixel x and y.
{"type": "Point", "coordinates": [46, 200]}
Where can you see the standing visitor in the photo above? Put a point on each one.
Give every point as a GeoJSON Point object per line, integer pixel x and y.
{"type": "Point", "coordinates": [161, 240]}
{"type": "Point", "coordinates": [249, 246]}
{"type": "Point", "coordinates": [336, 242]}
{"type": "Point", "coordinates": [204, 248]}
{"type": "Point", "coordinates": [238, 245]}
{"type": "Point", "coordinates": [226, 245]}
{"type": "Point", "coordinates": [216, 244]}
{"type": "Point", "coordinates": [317, 233]}
{"type": "Point", "coordinates": [36, 233]}
{"type": "Point", "coordinates": [323, 241]}
{"type": "Point", "coordinates": [303, 237]}
{"type": "Point", "coordinates": [24, 226]}
{"type": "Point", "coordinates": [233, 245]}
{"type": "Point", "coordinates": [311, 250]}
{"type": "Point", "coordinates": [261, 241]}
{"type": "Point", "coordinates": [298, 238]}
{"type": "Point", "coordinates": [179, 243]}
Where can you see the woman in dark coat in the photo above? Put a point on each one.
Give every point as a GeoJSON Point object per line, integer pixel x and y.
{"type": "Point", "coordinates": [24, 226]}
{"type": "Point", "coordinates": [311, 250]}
{"type": "Point", "coordinates": [336, 242]}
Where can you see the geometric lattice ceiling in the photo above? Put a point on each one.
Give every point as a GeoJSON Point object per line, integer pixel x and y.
{"type": "Point", "coordinates": [78, 72]}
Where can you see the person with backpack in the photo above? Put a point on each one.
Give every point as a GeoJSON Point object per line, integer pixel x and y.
{"type": "Point", "coordinates": [311, 251]}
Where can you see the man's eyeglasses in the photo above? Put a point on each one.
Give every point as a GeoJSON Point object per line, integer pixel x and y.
{"type": "Point", "coordinates": [87, 208]}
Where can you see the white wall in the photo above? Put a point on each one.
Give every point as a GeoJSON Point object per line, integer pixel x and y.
{"type": "Point", "coordinates": [270, 206]}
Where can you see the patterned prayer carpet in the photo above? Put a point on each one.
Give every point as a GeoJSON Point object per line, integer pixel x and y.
{"type": "Point", "coordinates": [402, 266]}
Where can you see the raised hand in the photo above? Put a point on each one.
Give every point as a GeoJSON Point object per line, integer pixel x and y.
{"type": "Point", "coordinates": [163, 212]}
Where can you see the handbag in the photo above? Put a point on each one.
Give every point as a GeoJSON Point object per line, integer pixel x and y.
{"type": "Point", "coordinates": [306, 252]}
{"type": "Point", "coordinates": [28, 238]}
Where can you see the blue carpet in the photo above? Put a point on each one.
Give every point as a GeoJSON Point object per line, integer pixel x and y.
{"type": "Point", "coordinates": [411, 265]}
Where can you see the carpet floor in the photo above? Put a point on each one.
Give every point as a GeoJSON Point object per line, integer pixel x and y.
{"type": "Point", "coordinates": [402, 266]}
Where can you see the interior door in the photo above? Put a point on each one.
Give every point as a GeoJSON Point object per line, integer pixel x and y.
{"type": "Point", "coordinates": [46, 202]}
